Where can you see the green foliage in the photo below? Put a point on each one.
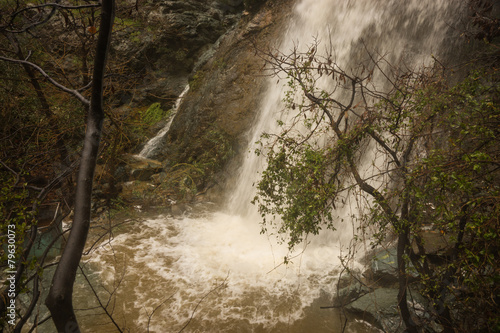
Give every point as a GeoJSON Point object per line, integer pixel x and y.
{"type": "Point", "coordinates": [16, 218]}
{"type": "Point", "coordinates": [218, 150]}
{"type": "Point", "coordinates": [295, 187]}
{"type": "Point", "coordinates": [457, 187]}
{"type": "Point", "coordinates": [196, 80]}
{"type": "Point", "coordinates": [14, 210]}
{"type": "Point", "coordinates": [441, 150]}
{"type": "Point", "coordinates": [183, 180]}
{"type": "Point", "coordinates": [215, 150]}
{"type": "Point", "coordinates": [153, 114]}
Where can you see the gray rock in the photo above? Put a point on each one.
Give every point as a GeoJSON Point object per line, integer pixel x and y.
{"type": "Point", "coordinates": [179, 209]}
{"type": "Point", "coordinates": [379, 308]}
{"type": "Point", "coordinates": [349, 294]}
{"type": "Point", "coordinates": [384, 267]}
{"type": "Point", "coordinates": [165, 39]}
{"type": "Point", "coordinates": [224, 95]}
{"type": "Point", "coordinates": [159, 178]}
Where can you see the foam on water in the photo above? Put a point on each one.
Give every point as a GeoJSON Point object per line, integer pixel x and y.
{"type": "Point", "coordinates": [188, 257]}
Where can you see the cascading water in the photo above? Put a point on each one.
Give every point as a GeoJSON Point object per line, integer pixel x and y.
{"type": "Point", "coordinates": [216, 266]}
{"type": "Point", "coordinates": [152, 145]}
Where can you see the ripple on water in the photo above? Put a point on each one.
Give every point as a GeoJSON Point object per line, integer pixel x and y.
{"type": "Point", "coordinates": [218, 267]}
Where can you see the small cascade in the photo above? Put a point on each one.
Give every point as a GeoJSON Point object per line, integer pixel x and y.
{"type": "Point", "coordinates": [149, 148]}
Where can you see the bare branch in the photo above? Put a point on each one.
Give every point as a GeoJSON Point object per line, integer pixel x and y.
{"type": "Point", "coordinates": [31, 26]}
{"type": "Point", "coordinates": [104, 307]}
{"type": "Point", "coordinates": [150, 315]}
{"type": "Point", "coordinates": [36, 324]}
{"type": "Point", "coordinates": [220, 286]}
{"type": "Point", "coordinates": [73, 92]}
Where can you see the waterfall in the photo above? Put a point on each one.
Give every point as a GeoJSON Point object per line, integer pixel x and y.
{"type": "Point", "coordinates": [408, 32]}
{"type": "Point", "coordinates": [152, 145]}
{"type": "Point", "coordinates": [216, 265]}
{"type": "Point", "coordinates": [402, 31]}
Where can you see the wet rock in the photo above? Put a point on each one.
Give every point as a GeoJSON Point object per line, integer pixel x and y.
{"type": "Point", "coordinates": [137, 192]}
{"type": "Point", "coordinates": [258, 22]}
{"type": "Point", "coordinates": [144, 171]}
{"type": "Point", "coordinates": [179, 209]}
{"type": "Point", "coordinates": [224, 95]}
{"type": "Point", "coordinates": [380, 308]}
{"type": "Point", "coordinates": [438, 246]}
{"type": "Point", "coordinates": [121, 173]}
{"type": "Point", "coordinates": [384, 267]}
{"type": "Point", "coordinates": [139, 168]}
{"type": "Point", "coordinates": [172, 35]}
{"type": "Point", "coordinates": [159, 178]}
{"type": "Point", "coordinates": [350, 294]}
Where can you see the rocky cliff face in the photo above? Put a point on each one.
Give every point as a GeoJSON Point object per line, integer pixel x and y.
{"type": "Point", "coordinates": [225, 78]}
{"type": "Point", "coordinates": [213, 46]}
{"type": "Point", "coordinates": [223, 99]}
{"type": "Point", "coordinates": [164, 39]}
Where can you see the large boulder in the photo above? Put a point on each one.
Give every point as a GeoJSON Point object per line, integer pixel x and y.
{"type": "Point", "coordinates": [350, 294]}
{"type": "Point", "coordinates": [380, 308]}
{"type": "Point", "coordinates": [384, 267]}
{"type": "Point", "coordinates": [224, 94]}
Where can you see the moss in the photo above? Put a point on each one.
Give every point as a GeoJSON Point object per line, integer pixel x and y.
{"type": "Point", "coordinates": [193, 172]}
{"type": "Point", "coordinates": [153, 114]}
{"type": "Point", "coordinates": [196, 81]}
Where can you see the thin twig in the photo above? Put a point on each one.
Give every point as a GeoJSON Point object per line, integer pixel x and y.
{"type": "Point", "coordinates": [220, 286]}
{"type": "Point", "coordinates": [150, 315]}
{"type": "Point", "coordinates": [73, 92]}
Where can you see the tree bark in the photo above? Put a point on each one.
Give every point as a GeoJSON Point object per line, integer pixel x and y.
{"type": "Point", "coordinates": [411, 327]}
{"type": "Point", "coordinates": [59, 300]}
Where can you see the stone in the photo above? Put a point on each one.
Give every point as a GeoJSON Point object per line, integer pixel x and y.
{"type": "Point", "coordinates": [159, 178]}
{"type": "Point", "coordinates": [163, 39]}
{"type": "Point", "coordinates": [380, 308]}
{"type": "Point", "coordinates": [224, 94]}
{"type": "Point", "coordinates": [384, 267]}
{"type": "Point", "coordinates": [350, 294]}
{"type": "Point", "coordinates": [179, 209]}
{"type": "Point", "coordinates": [142, 169]}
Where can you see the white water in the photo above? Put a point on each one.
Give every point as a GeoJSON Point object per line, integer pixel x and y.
{"type": "Point", "coordinates": [180, 261]}
{"type": "Point", "coordinates": [149, 147]}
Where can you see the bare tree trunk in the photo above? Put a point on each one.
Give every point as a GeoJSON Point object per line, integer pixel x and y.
{"type": "Point", "coordinates": [403, 281]}
{"type": "Point", "coordinates": [59, 301]}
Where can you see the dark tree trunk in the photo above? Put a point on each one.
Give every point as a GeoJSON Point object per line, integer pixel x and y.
{"type": "Point", "coordinates": [59, 300]}
{"type": "Point", "coordinates": [403, 281]}
{"type": "Point", "coordinates": [403, 230]}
